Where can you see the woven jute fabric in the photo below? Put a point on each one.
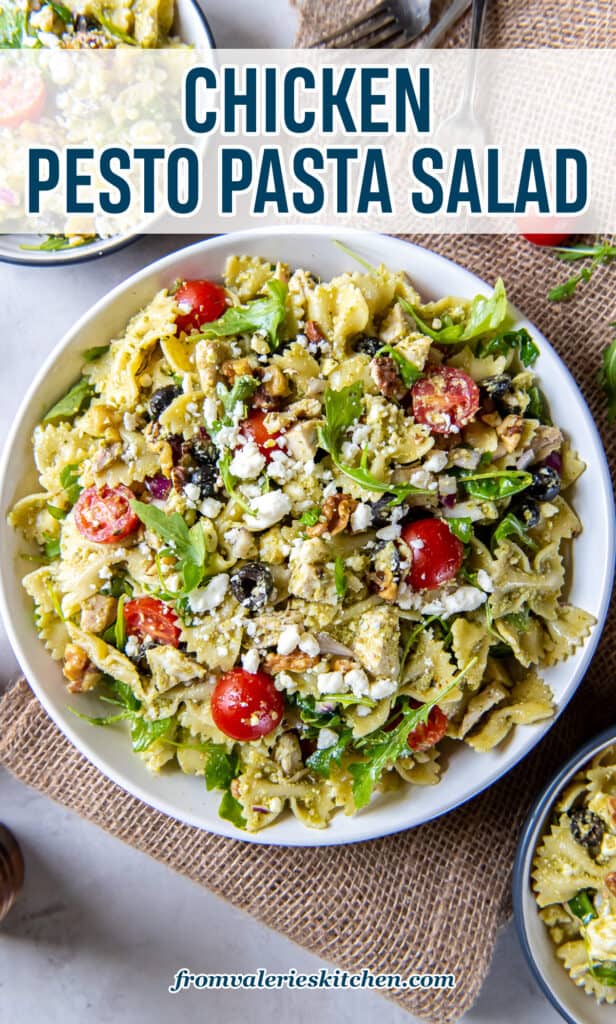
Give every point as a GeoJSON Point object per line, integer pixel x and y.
{"type": "Point", "coordinates": [430, 899]}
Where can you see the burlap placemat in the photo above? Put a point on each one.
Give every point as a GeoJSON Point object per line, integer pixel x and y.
{"type": "Point", "coordinates": [429, 899]}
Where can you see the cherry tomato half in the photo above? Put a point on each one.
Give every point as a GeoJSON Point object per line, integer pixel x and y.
{"type": "Point", "coordinates": [445, 400]}
{"type": "Point", "coordinates": [545, 239]}
{"type": "Point", "coordinates": [254, 427]}
{"type": "Point", "coordinates": [104, 515]}
{"type": "Point", "coordinates": [147, 616]}
{"type": "Point", "coordinates": [22, 96]}
{"type": "Point", "coordinates": [246, 705]}
{"type": "Point", "coordinates": [200, 302]}
{"type": "Point", "coordinates": [437, 553]}
{"type": "Point", "coordinates": [427, 734]}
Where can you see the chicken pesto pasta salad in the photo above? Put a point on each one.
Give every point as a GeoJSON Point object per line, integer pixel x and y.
{"type": "Point", "coordinates": [574, 877]}
{"type": "Point", "coordinates": [296, 533]}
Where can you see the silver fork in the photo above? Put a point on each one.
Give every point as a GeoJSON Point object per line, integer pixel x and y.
{"type": "Point", "coordinates": [391, 23]}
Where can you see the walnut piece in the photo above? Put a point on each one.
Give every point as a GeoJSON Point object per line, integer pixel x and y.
{"type": "Point", "coordinates": [78, 669]}
{"type": "Point", "coordinates": [313, 332]}
{"type": "Point", "coordinates": [231, 369]}
{"type": "Point", "coordinates": [510, 431]}
{"type": "Point", "coordinates": [337, 510]}
{"type": "Point", "coordinates": [610, 881]}
{"type": "Point", "coordinates": [384, 373]}
{"type": "Point", "coordinates": [297, 661]}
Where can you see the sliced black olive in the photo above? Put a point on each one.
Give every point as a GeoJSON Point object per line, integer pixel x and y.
{"type": "Point", "coordinates": [204, 477]}
{"type": "Point", "coordinates": [527, 511]}
{"type": "Point", "coordinates": [381, 511]}
{"type": "Point", "coordinates": [587, 828]}
{"type": "Point", "coordinates": [497, 386]}
{"type": "Point", "coordinates": [162, 398]}
{"type": "Point", "coordinates": [252, 585]}
{"type": "Point", "coordinates": [368, 346]}
{"type": "Point", "coordinates": [201, 452]}
{"type": "Point", "coordinates": [545, 485]}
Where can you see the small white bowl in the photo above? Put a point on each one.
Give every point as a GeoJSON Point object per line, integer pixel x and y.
{"type": "Point", "coordinates": [182, 796]}
{"type": "Point", "coordinates": [191, 26]}
{"type": "Point", "coordinates": [572, 1002]}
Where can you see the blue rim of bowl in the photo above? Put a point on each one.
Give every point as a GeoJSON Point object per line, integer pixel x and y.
{"type": "Point", "coordinates": [356, 237]}
{"type": "Point", "coordinates": [123, 240]}
{"type": "Point", "coordinates": [529, 837]}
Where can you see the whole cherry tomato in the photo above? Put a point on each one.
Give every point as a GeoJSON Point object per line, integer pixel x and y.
{"type": "Point", "coordinates": [445, 400]}
{"type": "Point", "coordinates": [246, 705]}
{"type": "Point", "coordinates": [149, 617]}
{"type": "Point", "coordinates": [436, 553]}
{"type": "Point", "coordinates": [104, 515]}
{"type": "Point", "coordinates": [200, 302]}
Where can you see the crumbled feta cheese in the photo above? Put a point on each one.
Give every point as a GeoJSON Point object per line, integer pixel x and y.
{"type": "Point", "coordinates": [192, 492]}
{"type": "Point", "coordinates": [357, 681]}
{"type": "Point", "coordinates": [423, 479]}
{"type": "Point", "coordinates": [229, 437]}
{"type": "Point", "coordinates": [309, 645]}
{"type": "Point", "coordinates": [331, 682]}
{"type": "Point", "coordinates": [105, 572]}
{"type": "Point", "coordinates": [485, 581]}
{"type": "Point", "coordinates": [284, 681]}
{"type": "Point", "coordinates": [326, 738]}
{"type": "Point", "coordinates": [361, 518]}
{"type": "Point", "coordinates": [210, 508]}
{"type": "Point", "coordinates": [270, 508]}
{"type": "Point", "coordinates": [186, 383]}
{"type": "Point", "coordinates": [464, 510]}
{"type": "Point", "coordinates": [465, 458]}
{"type": "Point", "coordinates": [383, 688]}
{"type": "Point", "coordinates": [464, 599]}
{"type": "Point", "coordinates": [131, 647]}
{"type": "Point", "coordinates": [210, 410]}
{"type": "Point", "coordinates": [288, 640]}
{"type": "Point", "coordinates": [130, 421]}
{"type": "Point", "coordinates": [251, 661]}
{"type": "Point", "coordinates": [239, 541]}
{"type": "Point", "coordinates": [248, 462]}
{"type": "Point", "coordinates": [363, 711]}
{"type": "Point", "coordinates": [436, 462]}
{"type": "Point", "coordinates": [447, 484]}
{"type": "Point", "coordinates": [389, 532]}
{"type": "Point", "coordinates": [251, 628]}
{"type": "Point", "coordinates": [348, 451]}
{"type": "Point", "coordinates": [282, 468]}
{"type": "Point", "coordinates": [204, 599]}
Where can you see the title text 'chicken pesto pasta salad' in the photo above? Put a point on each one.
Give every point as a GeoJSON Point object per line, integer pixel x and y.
{"type": "Point", "coordinates": [295, 533]}
{"type": "Point", "coordinates": [574, 876]}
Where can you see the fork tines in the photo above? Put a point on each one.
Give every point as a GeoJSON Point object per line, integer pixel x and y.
{"type": "Point", "coordinates": [379, 26]}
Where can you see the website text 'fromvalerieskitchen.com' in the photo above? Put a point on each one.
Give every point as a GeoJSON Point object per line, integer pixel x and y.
{"type": "Point", "coordinates": [262, 978]}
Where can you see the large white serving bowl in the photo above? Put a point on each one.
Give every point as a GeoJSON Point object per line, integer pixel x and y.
{"type": "Point", "coordinates": [190, 24]}
{"type": "Point", "coordinates": [185, 797]}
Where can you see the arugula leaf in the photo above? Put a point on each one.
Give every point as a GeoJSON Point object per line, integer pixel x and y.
{"type": "Point", "coordinates": [101, 719]}
{"type": "Point", "coordinates": [144, 733]}
{"type": "Point", "coordinates": [340, 578]}
{"type": "Point", "coordinates": [310, 716]}
{"type": "Point", "coordinates": [503, 343]}
{"type": "Point", "coordinates": [220, 767]}
{"type": "Point", "coordinates": [90, 355]}
{"type": "Point", "coordinates": [119, 632]}
{"type": "Point", "coordinates": [56, 513]}
{"type": "Point", "coordinates": [485, 314]}
{"type": "Point", "coordinates": [537, 408]}
{"type": "Point", "coordinates": [605, 972]}
{"type": "Point", "coordinates": [63, 12]}
{"type": "Point", "coordinates": [264, 314]}
{"type": "Point", "coordinates": [607, 378]}
{"type": "Point", "coordinates": [411, 641]}
{"type": "Point", "coordinates": [310, 517]}
{"type": "Point", "coordinates": [349, 252]}
{"type": "Point", "coordinates": [242, 389]}
{"type": "Point", "coordinates": [349, 698]}
{"type": "Point", "coordinates": [342, 408]}
{"type": "Point", "coordinates": [384, 748]}
{"type": "Point", "coordinates": [511, 526]}
{"type": "Point", "coordinates": [497, 484]}
{"type": "Point", "coordinates": [322, 760]}
{"type": "Point", "coordinates": [231, 810]}
{"type": "Point", "coordinates": [55, 243]}
{"type": "Point", "coordinates": [601, 253]}
{"type": "Point", "coordinates": [188, 545]}
{"type": "Point", "coordinates": [230, 483]}
{"type": "Point", "coordinates": [125, 695]}
{"type": "Point", "coordinates": [581, 906]}
{"type": "Point", "coordinates": [69, 477]}
{"type": "Point", "coordinates": [51, 546]}
{"type": "Point", "coordinates": [519, 620]}
{"type": "Point", "coordinates": [407, 370]}
{"type": "Point", "coordinates": [462, 528]}
{"type": "Point", "coordinates": [74, 401]}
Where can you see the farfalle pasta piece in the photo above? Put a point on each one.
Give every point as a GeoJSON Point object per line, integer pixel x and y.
{"type": "Point", "coordinates": [107, 659]}
{"type": "Point", "coordinates": [41, 586]}
{"type": "Point", "coordinates": [567, 631]}
{"type": "Point", "coordinates": [562, 867]}
{"type": "Point", "coordinates": [215, 639]}
{"type": "Point", "coordinates": [517, 583]}
{"type": "Point", "coordinates": [529, 701]}
{"type": "Point", "coordinates": [471, 642]}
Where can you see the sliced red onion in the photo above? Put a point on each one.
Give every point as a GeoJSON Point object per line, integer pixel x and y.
{"type": "Point", "coordinates": [448, 500]}
{"type": "Point", "coordinates": [327, 645]}
{"type": "Point", "coordinates": [554, 461]}
{"type": "Point", "coordinates": [158, 486]}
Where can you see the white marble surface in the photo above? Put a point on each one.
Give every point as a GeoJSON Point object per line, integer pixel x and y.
{"type": "Point", "coordinates": [100, 929]}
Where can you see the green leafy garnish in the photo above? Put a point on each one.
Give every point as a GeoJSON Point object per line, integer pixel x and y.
{"type": "Point", "coordinates": [511, 526]}
{"type": "Point", "coordinates": [343, 408]}
{"type": "Point", "coordinates": [340, 578]}
{"type": "Point", "coordinates": [143, 732]}
{"type": "Point", "coordinates": [51, 546]}
{"type": "Point", "coordinates": [230, 483]}
{"type": "Point", "coordinates": [519, 620]}
{"type": "Point", "coordinates": [601, 253]}
{"type": "Point", "coordinates": [55, 512]}
{"type": "Point", "coordinates": [410, 642]}
{"type": "Point", "coordinates": [186, 544]}
{"type": "Point", "coordinates": [55, 243]}
{"type": "Point", "coordinates": [607, 378]}
{"type": "Point", "coordinates": [113, 30]}
{"type": "Point", "coordinates": [497, 484]}
{"type": "Point", "coordinates": [310, 716]}
{"type": "Point", "coordinates": [69, 477]}
{"type": "Point", "coordinates": [264, 314]}
{"type": "Point", "coordinates": [63, 12]}
{"type": "Point", "coordinates": [407, 370]}
{"type": "Point", "coordinates": [359, 259]}
{"type": "Point", "coordinates": [90, 355]}
{"type": "Point", "coordinates": [310, 517]}
{"type": "Point", "coordinates": [605, 972]}
{"type": "Point", "coordinates": [322, 760]}
{"type": "Point", "coordinates": [582, 906]}
{"type": "Point", "coordinates": [220, 767]}
{"type": "Point", "coordinates": [242, 389]}
{"type": "Point", "coordinates": [74, 401]}
{"type": "Point", "coordinates": [384, 748]}
{"type": "Point", "coordinates": [502, 344]}
{"type": "Point", "coordinates": [485, 314]}
{"type": "Point", "coordinates": [461, 527]}
{"type": "Point", "coordinates": [231, 810]}
{"type": "Point", "coordinates": [537, 408]}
